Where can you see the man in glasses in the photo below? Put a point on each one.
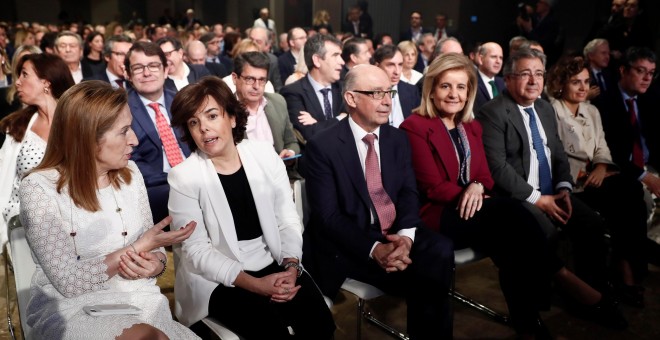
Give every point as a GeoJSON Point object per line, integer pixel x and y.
{"type": "Point", "coordinates": [528, 162]}
{"type": "Point", "coordinates": [364, 220]}
{"type": "Point", "coordinates": [268, 118]}
{"type": "Point", "coordinates": [160, 147]}
{"type": "Point", "coordinates": [114, 53]}
{"type": "Point", "coordinates": [180, 73]}
{"type": "Point", "coordinates": [407, 97]}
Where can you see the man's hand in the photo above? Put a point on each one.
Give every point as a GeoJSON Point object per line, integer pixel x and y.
{"type": "Point", "coordinates": [305, 118]}
{"type": "Point", "coordinates": [393, 256]}
{"type": "Point", "coordinates": [557, 206]}
{"type": "Point", "coordinates": [653, 183]}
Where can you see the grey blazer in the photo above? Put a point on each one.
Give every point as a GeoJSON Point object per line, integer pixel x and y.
{"type": "Point", "coordinates": [280, 125]}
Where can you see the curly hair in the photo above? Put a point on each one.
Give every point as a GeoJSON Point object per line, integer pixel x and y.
{"type": "Point", "coordinates": [562, 71]}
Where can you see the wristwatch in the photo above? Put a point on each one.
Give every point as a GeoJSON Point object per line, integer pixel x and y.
{"type": "Point", "coordinates": [295, 265]}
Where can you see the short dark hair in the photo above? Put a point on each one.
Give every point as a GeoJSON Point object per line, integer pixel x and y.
{"type": "Point", "coordinates": [254, 59]}
{"type": "Point", "coordinates": [206, 37]}
{"type": "Point", "coordinates": [316, 46]}
{"type": "Point", "coordinates": [351, 47]}
{"type": "Point", "coordinates": [635, 53]}
{"type": "Point", "coordinates": [385, 52]}
{"type": "Point", "coordinates": [88, 40]}
{"type": "Point", "coordinates": [175, 42]}
{"type": "Point", "coordinates": [524, 53]}
{"type": "Point", "coordinates": [48, 41]}
{"type": "Point", "coordinates": [149, 49]}
{"type": "Point", "coordinates": [189, 100]}
{"type": "Point", "coordinates": [109, 44]}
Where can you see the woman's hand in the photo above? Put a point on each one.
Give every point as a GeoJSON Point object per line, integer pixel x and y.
{"type": "Point", "coordinates": [305, 118]}
{"type": "Point", "coordinates": [288, 284]}
{"type": "Point", "coordinates": [471, 200]}
{"type": "Point", "coordinates": [155, 237]}
{"type": "Point", "coordinates": [597, 175]}
{"type": "Point", "coordinates": [136, 266]}
{"type": "Point", "coordinates": [280, 287]}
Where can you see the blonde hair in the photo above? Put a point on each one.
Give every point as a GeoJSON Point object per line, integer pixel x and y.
{"type": "Point", "coordinates": [406, 46]}
{"type": "Point", "coordinates": [443, 63]}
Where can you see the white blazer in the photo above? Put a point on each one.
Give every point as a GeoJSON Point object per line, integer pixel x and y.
{"type": "Point", "coordinates": [211, 255]}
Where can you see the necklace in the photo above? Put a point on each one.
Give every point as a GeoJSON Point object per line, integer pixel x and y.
{"type": "Point", "coordinates": [118, 210]}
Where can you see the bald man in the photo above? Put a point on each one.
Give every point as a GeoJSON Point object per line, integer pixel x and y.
{"type": "Point", "coordinates": [490, 59]}
{"type": "Point", "coordinates": [196, 55]}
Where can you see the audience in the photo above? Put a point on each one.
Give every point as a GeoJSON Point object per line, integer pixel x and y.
{"type": "Point", "coordinates": [114, 53]}
{"type": "Point", "coordinates": [407, 98]}
{"type": "Point", "coordinates": [263, 39]}
{"type": "Point", "coordinates": [490, 85]}
{"type": "Point", "coordinates": [597, 54]}
{"type": "Point", "coordinates": [242, 264]}
{"type": "Point", "coordinates": [92, 61]}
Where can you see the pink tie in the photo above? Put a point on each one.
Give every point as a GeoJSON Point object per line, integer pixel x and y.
{"type": "Point", "coordinates": [382, 202]}
{"type": "Point", "coordinates": [172, 151]}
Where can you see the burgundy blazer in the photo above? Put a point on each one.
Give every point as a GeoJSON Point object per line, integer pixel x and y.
{"type": "Point", "coordinates": [436, 165]}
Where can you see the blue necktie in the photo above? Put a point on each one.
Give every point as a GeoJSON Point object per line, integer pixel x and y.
{"type": "Point", "coordinates": [326, 104]}
{"type": "Point", "coordinates": [545, 177]}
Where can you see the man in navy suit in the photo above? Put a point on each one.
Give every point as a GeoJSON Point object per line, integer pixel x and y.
{"type": "Point", "coordinates": [490, 60]}
{"type": "Point", "coordinates": [196, 55]}
{"type": "Point", "coordinates": [314, 102]}
{"type": "Point", "coordinates": [160, 147]}
{"type": "Point", "coordinates": [180, 73]}
{"type": "Point", "coordinates": [364, 220]}
{"type": "Point", "coordinates": [597, 54]}
{"type": "Point", "coordinates": [407, 98]}
{"type": "Point", "coordinates": [114, 53]}
{"type": "Point", "coordinates": [416, 30]}
{"type": "Point", "coordinates": [296, 38]}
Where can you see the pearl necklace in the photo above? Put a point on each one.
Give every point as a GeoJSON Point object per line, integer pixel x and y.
{"type": "Point", "coordinates": [118, 210]}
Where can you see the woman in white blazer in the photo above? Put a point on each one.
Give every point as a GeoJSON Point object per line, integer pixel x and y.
{"type": "Point", "coordinates": [241, 265]}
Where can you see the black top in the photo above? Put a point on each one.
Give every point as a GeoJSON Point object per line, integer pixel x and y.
{"type": "Point", "coordinates": [456, 138]}
{"type": "Point", "coordinates": [239, 195]}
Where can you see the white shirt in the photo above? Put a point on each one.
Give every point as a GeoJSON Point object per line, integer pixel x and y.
{"type": "Point", "coordinates": [77, 74]}
{"type": "Point", "coordinates": [152, 115]}
{"type": "Point", "coordinates": [396, 116]}
{"type": "Point", "coordinates": [486, 81]}
{"type": "Point", "coordinates": [182, 82]}
{"type": "Point", "coordinates": [358, 134]}
{"type": "Point", "coordinates": [112, 78]}
{"type": "Point", "coordinates": [317, 90]}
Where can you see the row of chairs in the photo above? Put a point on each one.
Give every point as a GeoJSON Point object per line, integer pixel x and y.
{"type": "Point", "coordinates": [18, 257]}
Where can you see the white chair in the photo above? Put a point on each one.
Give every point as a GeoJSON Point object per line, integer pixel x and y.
{"type": "Point", "coordinates": [465, 256]}
{"type": "Point", "coordinates": [363, 291]}
{"type": "Point", "coordinates": [23, 268]}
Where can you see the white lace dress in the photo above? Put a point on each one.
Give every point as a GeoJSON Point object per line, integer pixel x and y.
{"type": "Point", "coordinates": [62, 285]}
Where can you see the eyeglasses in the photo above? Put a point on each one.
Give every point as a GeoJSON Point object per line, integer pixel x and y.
{"type": "Point", "coordinates": [169, 53]}
{"type": "Point", "coordinates": [119, 54]}
{"type": "Point", "coordinates": [642, 71]}
{"type": "Point", "coordinates": [377, 94]}
{"type": "Point", "coordinates": [251, 80]}
{"type": "Point", "coordinates": [139, 68]}
{"type": "Point", "coordinates": [526, 75]}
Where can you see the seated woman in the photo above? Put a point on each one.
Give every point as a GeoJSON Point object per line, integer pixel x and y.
{"type": "Point", "coordinates": [409, 52]}
{"type": "Point", "coordinates": [241, 265]}
{"type": "Point", "coordinates": [619, 199]}
{"type": "Point", "coordinates": [40, 80]}
{"type": "Point", "coordinates": [454, 183]}
{"type": "Point", "coordinates": [88, 223]}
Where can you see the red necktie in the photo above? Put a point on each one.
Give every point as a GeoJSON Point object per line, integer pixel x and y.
{"type": "Point", "coordinates": [120, 82]}
{"type": "Point", "coordinates": [381, 201]}
{"type": "Point", "coordinates": [172, 151]}
{"type": "Point", "coordinates": [637, 153]}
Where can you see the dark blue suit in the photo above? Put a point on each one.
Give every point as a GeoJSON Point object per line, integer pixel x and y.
{"type": "Point", "coordinates": [197, 72]}
{"type": "Point", "coordinates": [287, 64]}
{"type": "Point", "coordinates": [482, 91]}
{"type": "Point", "coordinates": [340, 235]}
{"type": "Point", "coordinates": [300, 96]}
{"type": "Point", "coordinates": [409, 98]}
{"type": "Point", "coordinates": [148, 155]}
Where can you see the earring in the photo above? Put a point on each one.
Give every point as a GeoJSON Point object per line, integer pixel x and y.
{"type": "Point", "coordinates": [46, 90]}
{"type": "Point", "coordinates": [233, 125]}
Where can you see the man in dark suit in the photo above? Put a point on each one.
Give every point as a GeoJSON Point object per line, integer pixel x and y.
{"type": "Point", "coordinates": [528, 162]}
{"type": "Point", "coordinates": [196, 55]}
{"type": "Point", "coordinates": [364, 220]}
{"type": "Point", "coordinates": [160, 147]}
{"type": "Point", "coordinates": [296, 38]}
{"type": "Point", "coordinates": [314, 102]}
{"type": "Point", "coordinates": [262, 37]}
{"type": "Point", "coordinates": [597, 54]}
{"type": "Point", "coordinates": [490, 59]}
{"type": "Point", "coordinates": [354, 52]}
{"type": "Point", "coordinates": [407, 98]}
{"type": "Point", "coordinates": [441, 30]}
{"type": "Point", "coordinates": [355, 25]}
{"type": "Point", "coordinates": [114, 53]}
{"type": "Point", "coordinates": [416, 30]}
{"type": "Point", "coordinates": [180, 73]}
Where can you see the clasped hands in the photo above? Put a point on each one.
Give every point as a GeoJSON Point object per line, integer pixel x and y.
{"type": "Point", "coordinates": [139, 261]}
{"type": "Point", "coordinates": [395, 255]}
{"type": "Point", "coordinates": [557, 206]}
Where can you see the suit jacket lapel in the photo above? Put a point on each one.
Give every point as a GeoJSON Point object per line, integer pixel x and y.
{"type": "Point", "coordinates": [141, 116]}
{"type": "Point", "coordinates": [439, 138]}
{"type": "Point", "coordinates": [336, 99]}
{"type": "Point", "coordinates": [349, 155]}
{"type": "Point", "coordinates": [316, 110]}
{"type": "Point", "coordinates": [482, 87]}
{"type": "Point", "coordinates": [516, 120]}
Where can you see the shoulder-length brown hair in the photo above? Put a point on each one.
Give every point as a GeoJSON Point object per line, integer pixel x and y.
{"type": "Point", "coordinates": [562, 72]}
{"type": "Point", "coordinates": [83, 115]}
{"type": "Point", "coordinates": [191, 98]}
{"type": "Point", "coordinates": [49, 67]}
{"type": "Point", "coordinates": [441, 64]}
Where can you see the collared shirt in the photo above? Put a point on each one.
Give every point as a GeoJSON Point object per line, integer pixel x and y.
{"type": "Point", "coordinates": [77, 74]}
{"type": "Point", "coordinates": [152, 116]}
{"type": "Point", "coordinates": [317, 90]}
{"type": "Point", "coordinates": [439, 34]}
{"type": "Point", "coordinates": [358, 134]}
{"type": "Point", "coordinates": [396, 116]}
{"type": "Point", "coordinates": [416, 34]}
{"type": "Point", "coordinates": [645, 150]}
{"type": "Point", "coordinates": [486, 81]}
{"type": "Point", "coordinates": [112, 78]}
{"type": "Point", "coordinates": [257, 125]}
{"type": "Point", "coordinates": [183, 82]}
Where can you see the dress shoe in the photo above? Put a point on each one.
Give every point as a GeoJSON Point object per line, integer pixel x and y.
{"type": "Point", "coordinates": [606, 312]}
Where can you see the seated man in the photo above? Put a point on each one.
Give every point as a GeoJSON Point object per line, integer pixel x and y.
{"type": "Point", "coordinates": [180, 73]}
{"type": "Point", "coordinates": [114, 53]}
{"type": "Point", "coordinates": [364, 220]}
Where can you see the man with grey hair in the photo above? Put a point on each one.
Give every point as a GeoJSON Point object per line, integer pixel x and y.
{"type": "Point", "coordinates": [314, 102]}
{"type": "Point", "coordinates": [114, 53]}
{"type": "Point", "coordinates": [425, 46]}
{"type": "Point", "coordinates": [296, 38]}
{"type": "Point", "coordinates": [69, 46]}
{"type": "Point", "coordinates": [263, 37]}
{"type": "Point", "coordinates": [365, 222]}
{"type": "Point", "coordinates": [444, 45]}
{"type": "Point", "coordinates": [527, 162]}
{"type": "Point", "coordinates": [597, 54]}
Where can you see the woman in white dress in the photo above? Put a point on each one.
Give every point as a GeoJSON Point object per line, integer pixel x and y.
{"type": "Point", "coordinates": [409, 52]}
{"type": "Point", "coordinates": [88, 223]}
{"type": "Point", "coordinates": [40, 80]}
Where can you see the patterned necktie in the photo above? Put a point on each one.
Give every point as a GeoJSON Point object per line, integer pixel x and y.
{"type": "Point", "coordinates": [120, 82]}
{"type": "Point", "coordinates": [172, 151]}
{"type": "Point", "coordinates": [494, 88]}
{"type": "Point", "coordinates": [637, 153]}
{"type": "Point", "coordinates": [545, 177]}
{"type": "Point", "coordinates": [381, 201]}
{"type": "Point", "coordinates": [327, 109]}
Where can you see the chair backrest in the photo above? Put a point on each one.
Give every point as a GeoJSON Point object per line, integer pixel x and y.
{"type": "Point", "coordinates": [24, 268]}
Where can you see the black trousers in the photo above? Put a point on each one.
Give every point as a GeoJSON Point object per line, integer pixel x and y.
{"type": "Point", "coordinates": [620, 201]}
{"type": "Point", "coordinates": [424, 284]}
{"type": "Point", "coordinates": [253, 316]}
{"type": "Point", "coordinates": [508, 233]}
